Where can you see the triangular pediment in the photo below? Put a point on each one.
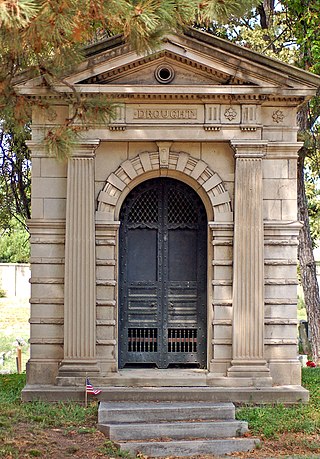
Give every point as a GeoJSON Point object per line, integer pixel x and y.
{"type": "Point", "coordinates": [199, 62]}
{"type": "Point", "coordinates": [145, 70]}
{"type": "Point", "coordinates": [197, 58]}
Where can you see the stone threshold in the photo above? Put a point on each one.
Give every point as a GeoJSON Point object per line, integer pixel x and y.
{"type": "Point", "coordinates": [164, 378]}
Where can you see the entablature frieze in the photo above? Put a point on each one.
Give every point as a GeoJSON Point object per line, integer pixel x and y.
{"type": "Point", "coordinates": [246, 115]}
{"type": "Point", "coordinates": [224, 120]}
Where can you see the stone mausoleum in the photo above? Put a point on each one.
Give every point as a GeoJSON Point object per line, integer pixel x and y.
{"type": "Point", "coordinates": [164, 250]}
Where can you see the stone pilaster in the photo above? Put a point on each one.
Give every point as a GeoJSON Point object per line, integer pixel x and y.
{"type": "Point", "coordinates": [248, 274]}
{"type": "Point", "coordinates": [220, 314]}
{"type": "Point", "coordinates": [80, 278]}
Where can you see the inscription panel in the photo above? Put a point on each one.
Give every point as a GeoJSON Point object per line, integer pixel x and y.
{"type": "Point", "coordinates": [165, 114]}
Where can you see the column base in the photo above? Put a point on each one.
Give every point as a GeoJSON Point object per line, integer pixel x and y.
{"type": "Point", "coordinates": [256, 370]}
{"type": "Point", "coordinates": [78, 368]}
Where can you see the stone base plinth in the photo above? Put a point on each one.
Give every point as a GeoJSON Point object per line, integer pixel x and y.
{"type": "Point", "coordinates": [71, 369]}
{"type": "Point", "coordinates": [244, 395]}
{"type": "Point", "coordinates": [256, 370]}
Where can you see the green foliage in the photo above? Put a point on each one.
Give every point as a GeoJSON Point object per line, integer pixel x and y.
{"type": "Point", "coordinates": [17, 13]}
{"type": "Point", "coordinates": [313, 196]}
{"type": "Point", "coordinates": [9, 451]}
{"type": "Point", "coordinates": [271, 421]}
{"type": "Point", "coordinates": [50, 38]}
{"type": "Point", "coordinates": [15, 174]}
{"type": "Point", "coordinates": [8, 346]}
{"type": "Point", "coordinates": [311, 381]}
{"type": "Point", "coordinates": [223, 11]}
{"type": "Point", "coordinates": [14, 244]}
{"type": "Point", "coordinates": [60, 141]}
{"type": "Point", "coordinates": [303, 21]}
{"type": "Point", "coordinates": [69, 416]}
{"type": "Point", "coordinates": [263, 29]}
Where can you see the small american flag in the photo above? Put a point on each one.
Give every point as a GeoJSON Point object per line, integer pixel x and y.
{"type": "Point", "coordinates": [90, 389]}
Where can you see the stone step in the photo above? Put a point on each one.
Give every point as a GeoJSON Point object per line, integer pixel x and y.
{"type": "Point", "coordinates": [283, 394]}
{"type": "Point", "coordinates": [174, 430]}
{"type": "Point", "coordinates": [118, 412]}
{"type": "Point", "coordinates": [166, 428]}
{"type": "Point", "coordinates": [184, 448]}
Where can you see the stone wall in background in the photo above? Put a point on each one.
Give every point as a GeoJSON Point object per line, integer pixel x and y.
{"type": "Point", "coordinates": [14, 279]}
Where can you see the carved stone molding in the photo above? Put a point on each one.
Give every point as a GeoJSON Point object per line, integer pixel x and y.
{"type": "Point", "coordinates": [163, 55]}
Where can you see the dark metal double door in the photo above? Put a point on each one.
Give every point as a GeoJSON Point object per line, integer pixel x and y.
{"type": "Point", "coordinates": [162, 295]}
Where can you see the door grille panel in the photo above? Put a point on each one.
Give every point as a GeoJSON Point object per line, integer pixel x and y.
{"type": "Point", "coordinates": [181, 210]}
{"type": "Point", "coordinates": [162, 279]}
{"type": "Point", "coordinates": [142, 340]}
{"type": "Point", "coordinates": [182, 340]}
{"type": "Point", "coordinates": [145, 208]}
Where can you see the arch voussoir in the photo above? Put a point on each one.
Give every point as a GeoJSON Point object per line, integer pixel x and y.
{"type": "Point", "coordinates": [178, 163]}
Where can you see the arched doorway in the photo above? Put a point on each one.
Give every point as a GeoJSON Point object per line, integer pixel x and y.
{"type": "Point", "coordinates": [162, 276]}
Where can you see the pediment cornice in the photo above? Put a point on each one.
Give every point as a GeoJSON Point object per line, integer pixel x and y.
{"type": "Point", "coordinates": [207, 66]}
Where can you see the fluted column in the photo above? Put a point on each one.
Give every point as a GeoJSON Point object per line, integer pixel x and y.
{"type": "Point", "coordinates": [248, 265]}
{"type": "Point", "coordinates": [80, 276]}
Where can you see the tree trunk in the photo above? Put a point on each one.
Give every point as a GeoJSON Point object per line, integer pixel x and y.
{"type": "Point", "coordinates": [307, 265]}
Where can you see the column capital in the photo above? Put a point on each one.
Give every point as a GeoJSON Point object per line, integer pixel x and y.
{"type": "Point", "coordinates": [81, 149]}
{"type": "Point", "coordinates": [85, 148]}
{"type": "Point", "coordinates": [249, 148]}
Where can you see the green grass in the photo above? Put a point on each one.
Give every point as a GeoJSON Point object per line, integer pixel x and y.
{"type": "Point", "coordinates": [110, 449]}
{"type": "Point", "coordinates": [264, 421]}
{"type": "Point", "coordinates": [272, 420]}
{"type": "Point", "coordinates": [63, 415]}
{"type": "Point", "coordinates": [39, 417]}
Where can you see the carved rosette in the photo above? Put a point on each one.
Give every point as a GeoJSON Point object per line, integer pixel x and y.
{"type": "Point", "coordinates": [278, 116]}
